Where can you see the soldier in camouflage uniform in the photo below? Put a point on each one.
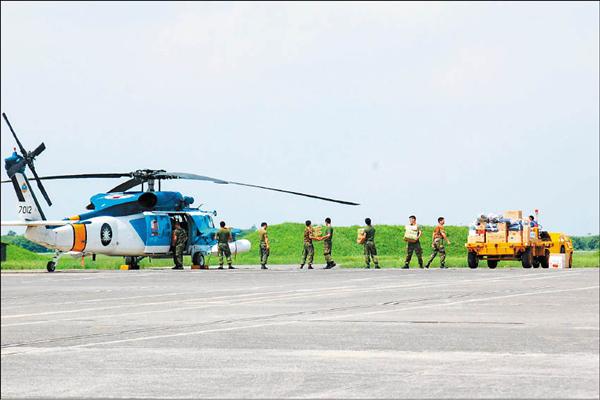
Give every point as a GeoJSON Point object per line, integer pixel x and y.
{"type": "Point", "coordinates": [264, 248]}
{"type": "Point", "coordinates": [439, 235]}
{"type": "Point", "coordinates": [327, 244]}
{"type": "Point", "coordinates": [370, 249]}
{"type": "Point", "coordinates": [179, 243]}
{"type": "Point", "coordinates": [414, 246]}
{"type": "Point", "coordinates": [223, 237]}
{"type": "Point", "coordinates": [308, 253]}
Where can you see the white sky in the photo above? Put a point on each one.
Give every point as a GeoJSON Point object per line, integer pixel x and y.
{"type": "Point", "coordinates": [428, 108]}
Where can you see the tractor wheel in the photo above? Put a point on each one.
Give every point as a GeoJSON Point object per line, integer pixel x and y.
{"type": "Point", "coordinates": [51, 266]}
{"type": "Point", "coordinates": [536, 262]}
{"type": "Point", "coordinates": [545, 259]}
{"type": "Point", "coordinates": [492, 264]}
{"type": "Point", "coordinates": [526, 258]}
{"type": "Point", "coordinates": [472, 260]}
{"type": "Point", "coordinates": [198, 259]}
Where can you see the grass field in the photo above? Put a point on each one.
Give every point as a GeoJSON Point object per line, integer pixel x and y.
{"type": "Point", "coordinates": [286, 248]}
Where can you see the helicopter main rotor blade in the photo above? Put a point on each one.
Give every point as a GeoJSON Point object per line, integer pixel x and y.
{"type": "Point", "coordinates": [125, 186]}
{"type": "Point", "coordinates": [349, 203]}
{"type": "Point", "coordinates": [184, 175]}
{"type": "Point", "coordinates": [81, 176]}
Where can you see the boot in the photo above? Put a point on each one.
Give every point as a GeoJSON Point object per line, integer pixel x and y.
{"type": "Point", "coordinates": [310, 266]}
{"type": "Point", "coordinates": [377, 266]}
{"type": "Point", "coordinates": [231, 267]}
{"type": "Point", "coordinates": [220, 267]}
{"type": "Point", "coordinates": [301, 266]}
{"type": "Point", "coordinates": [263, 266]}
{"type": "Point", "coordinates": [405, 266]}
{"type": "Point", "coordinates": [368, 266]}
{"type": "Point", "coordinates": [427, 266]}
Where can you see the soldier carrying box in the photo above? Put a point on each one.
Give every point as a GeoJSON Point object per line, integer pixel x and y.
{"type": "Point", "coordinates": [412, 234]}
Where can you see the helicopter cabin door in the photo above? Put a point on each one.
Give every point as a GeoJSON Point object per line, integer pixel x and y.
{"type": "Point", "coordinates": [158, 233]}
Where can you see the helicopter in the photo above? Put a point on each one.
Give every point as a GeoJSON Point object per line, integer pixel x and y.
{"type": "Point", "coordinates": [121, 222]}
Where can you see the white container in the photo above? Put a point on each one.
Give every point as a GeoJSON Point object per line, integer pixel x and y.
{"type": "Point", "coordinates": [558, 261]}
{"type": "Point", "coordinates": [239, 246]}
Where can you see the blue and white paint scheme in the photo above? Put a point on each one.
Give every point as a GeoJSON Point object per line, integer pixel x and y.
{"type": "Point", "coordinates": [129, 224]}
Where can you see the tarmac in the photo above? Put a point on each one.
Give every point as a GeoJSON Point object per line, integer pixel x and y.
{"type": "Point", "coordinates": [289, 333]}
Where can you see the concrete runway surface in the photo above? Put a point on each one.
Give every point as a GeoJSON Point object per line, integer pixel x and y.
{"type": "Point", "coordinates": [289, 333]}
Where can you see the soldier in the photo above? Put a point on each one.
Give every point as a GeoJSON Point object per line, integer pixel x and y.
{"type": "Point", "coordinates": [439, 235]}
{"type": "Point", "coordinates": [264, 249]}
{"type": "Point", "coordinates": [327, 242]}
{"type": "Point", "coordinates": [309, 251]}
{"type": "Point", "coordinates": [370, 249]}
{"type": "Point", "coordinates": [179, 242]}
{"type": "Point", "coordinates": [414, 246]}
{"type": "Point", "coordinates": [223, 236]}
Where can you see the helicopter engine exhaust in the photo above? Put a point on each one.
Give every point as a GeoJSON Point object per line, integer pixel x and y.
{"type": "Point", "coordinates": [239, 246]}
{"type": "Point", "coordinates": [148, 200]}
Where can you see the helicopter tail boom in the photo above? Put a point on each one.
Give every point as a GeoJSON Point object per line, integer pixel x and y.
{"type": "Point", "coordinates": [28, 208]}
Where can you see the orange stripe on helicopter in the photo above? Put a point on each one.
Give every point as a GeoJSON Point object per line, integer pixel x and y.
{"type": "Point", "coordinates": [79, 237]}
{"type": "Point", "coordinates": [74, 218]}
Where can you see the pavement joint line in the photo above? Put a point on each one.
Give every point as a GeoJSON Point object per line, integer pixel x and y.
{"type": "Point", "coordinates": [212, 301]}
{"type": "Point", "coordinates": [161, 302]}
{"type": "Point", "coordinates": [129, 340]}
{"type": "Point", "coordinates": [206, 304]}
{"type": "Point", "coordinates": [473, 300]}
{"type": "Point", "coordinates": [133, 297]}
{"type": "Point", "coordinates": [100, 299]}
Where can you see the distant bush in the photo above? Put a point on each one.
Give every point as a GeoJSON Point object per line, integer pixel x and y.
{"type": "Point", "coordinates": [21, 241]}
{"type": "Point", "coordinates": [586, 242]}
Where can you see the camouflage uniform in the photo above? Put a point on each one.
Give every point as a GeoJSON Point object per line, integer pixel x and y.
{"type": "Point", "coordinates": [223, 236]}
{"type": "Point", "coordinates": [370, 249]}
{"type": "Point", "coordinates": [263, 248]}
{"type": "Point", "coordinates": [416, 248]}
{"type": "Point", "coordinates": [327, 244]}
{"type": "Point", "coordinates": [179, 245]}
{"type": "Point", "coordinates": [309, 251]}
{"type": "Point", "coordinates": [438, 246]}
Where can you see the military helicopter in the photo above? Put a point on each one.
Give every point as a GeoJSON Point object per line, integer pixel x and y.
{"type": "Point", "coordinates": [121, 222]}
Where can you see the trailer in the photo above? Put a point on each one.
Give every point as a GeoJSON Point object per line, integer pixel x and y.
{"type": "Point", "coordinates": [511, 238]}
{"type": "Point", "coordinates": [532, 252]}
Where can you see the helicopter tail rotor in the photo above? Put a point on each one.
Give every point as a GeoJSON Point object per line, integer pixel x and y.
{"type": "Point", "coordinates": [28, 159]}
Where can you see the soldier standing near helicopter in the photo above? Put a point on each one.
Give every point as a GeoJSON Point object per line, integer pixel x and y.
{"type": "Point", "coordinates": [264, 245]}
{"type": "Point", "coordinates": [179, 241]}
{"type": "Point", "coordinates": [223, 237]}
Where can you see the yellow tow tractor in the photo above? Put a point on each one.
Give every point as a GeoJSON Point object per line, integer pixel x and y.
{"type": "Point", "coordinates": [560, 244]}
{"type": "Point", "coordinates": [516, 241]}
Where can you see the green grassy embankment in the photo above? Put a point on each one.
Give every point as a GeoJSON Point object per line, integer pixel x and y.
{"type": "Point", "coordinates": [286, 248]}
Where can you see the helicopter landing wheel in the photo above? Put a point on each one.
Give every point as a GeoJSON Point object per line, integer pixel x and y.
{"type": "Point", "coordinates": [198, 259]}
{"type": "Point", "coordinates": [132, 262]}
{"type": "Point", "coordinates": [51, 266]}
